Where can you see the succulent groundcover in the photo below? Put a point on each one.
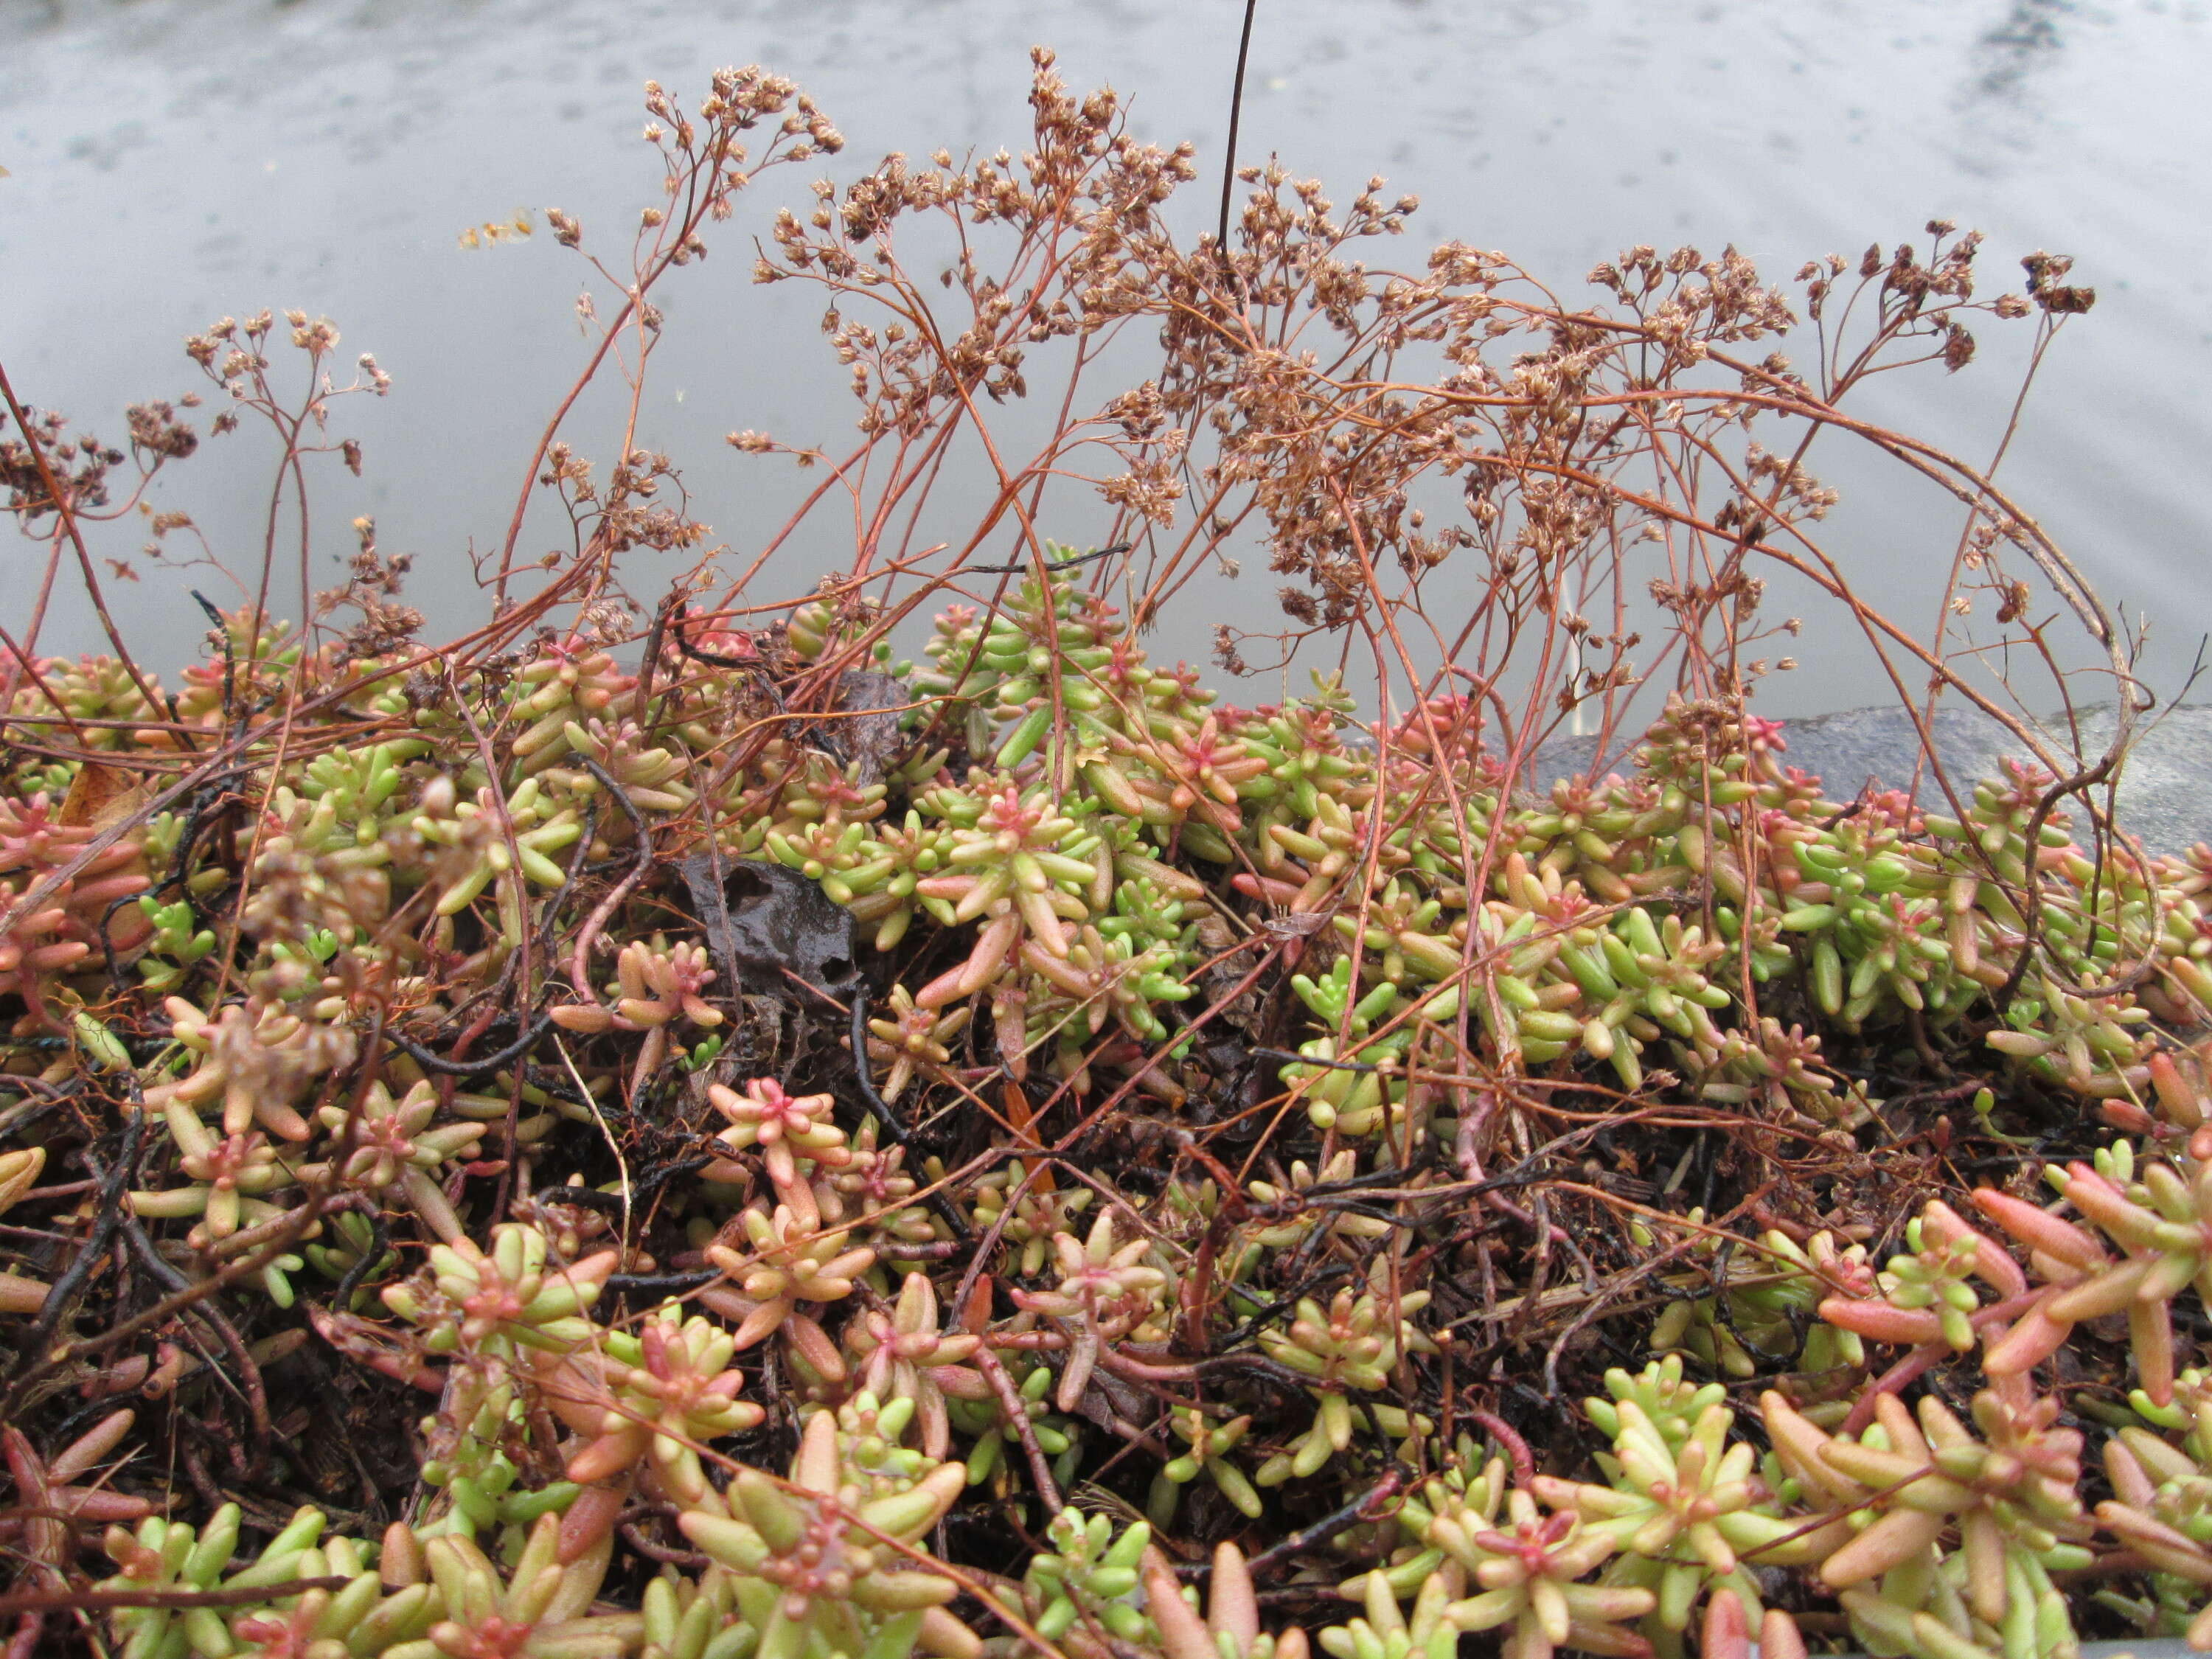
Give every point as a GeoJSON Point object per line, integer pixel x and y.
{"type": "Point", "coordinates": [1039, 1159]}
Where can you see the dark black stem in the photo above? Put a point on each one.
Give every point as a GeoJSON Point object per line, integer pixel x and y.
{"type": "Point", "coordinates": [466, 1069]}
{"type": "Point", "coordinates": [661, 1284]}
{"type": "Point", "coordinates": [1056, 565]}
{"type": "Point", "coordinates": [379, 1246]}
{"type": "Point", "coordinates": [108, 1215]}
{"type": "Point", "coordinates": [1236, 114]}
{"type": "Point", "coordinates": [882, 1110]}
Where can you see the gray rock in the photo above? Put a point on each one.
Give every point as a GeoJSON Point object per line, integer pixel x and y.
{"type": "Point", "coordinates": [2166, 784]}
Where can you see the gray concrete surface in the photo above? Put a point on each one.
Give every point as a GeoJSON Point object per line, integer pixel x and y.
{"type": "Point", "coordinates": [2166, 785]}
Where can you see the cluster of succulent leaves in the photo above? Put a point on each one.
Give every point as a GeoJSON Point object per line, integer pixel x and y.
{"type": "Point", "coordinates": [733, 1342]}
